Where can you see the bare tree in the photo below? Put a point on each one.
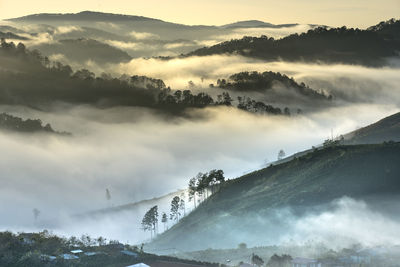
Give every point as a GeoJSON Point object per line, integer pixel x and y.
{"type": "Point", "coordinates": [281, 154]}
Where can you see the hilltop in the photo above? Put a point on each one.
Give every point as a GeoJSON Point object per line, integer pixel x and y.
{"type": "Point", "coordinates": [82, 16]}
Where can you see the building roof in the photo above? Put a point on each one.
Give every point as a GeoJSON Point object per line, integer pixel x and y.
{"type": "Point", "coordinates": [139, 265]}
{"type": "Point", "coordinates": [129, 253]}
{"type": "Point", "coordinates": [69, 257]}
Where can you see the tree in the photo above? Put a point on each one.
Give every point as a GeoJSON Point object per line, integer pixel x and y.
{"type": "Point", "coordinates": [175, 208]}
{"type": "Point", "coordinates": [164, 220]}
{"type": "Point", "coordinates": [279, 261]}
{"type": "Point", "coordinates": [255, 259]}
{"type": "Point", "coordinates": [108, 194]}
{"type": "Point", "coordinates": [150, 221]}
{"type": "Point", "coordinates": [215, 177]}
{"type": "Point", "coordinates": [182, 207]}
{"type": "Point", "coordinates": [281, 154]}
{"type": "Point", "coordinates": [242, 246]}
{"type": "Point", "coordinates": [36, 213]}
{"type": "Point", "coordinates": [192, 190]}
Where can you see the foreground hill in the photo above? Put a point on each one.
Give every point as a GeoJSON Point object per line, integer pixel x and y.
{"type": "Point", "coordinates": [337, 45]}
{"type": "Point", "coordinates": [253, 208]}
{"type": "Point", "coordinates": [44, 249]}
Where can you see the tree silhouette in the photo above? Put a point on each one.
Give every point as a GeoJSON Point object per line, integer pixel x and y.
{"type": "Point", "coordinates": [175, 209]}
{"type": "Point", "coordinates": [150, 221]}
{"type": "Point", "coordinates": [164, 220]}
{"type": "Point", "coordinates": [281, 154]}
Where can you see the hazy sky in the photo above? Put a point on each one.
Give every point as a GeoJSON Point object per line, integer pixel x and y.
{"type": "Point", "coordinates": [355, 13]}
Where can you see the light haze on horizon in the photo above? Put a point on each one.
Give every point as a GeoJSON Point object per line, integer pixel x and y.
{"type": "Point", "coordinates": [352, 13]}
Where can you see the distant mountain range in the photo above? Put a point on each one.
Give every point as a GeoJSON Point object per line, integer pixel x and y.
{"type": "Point", "coordinates": [256, 24]}
{"type": "Point", "coordinates": [252, 208]}
{"type": "Point", "coordinates": [120, 18]}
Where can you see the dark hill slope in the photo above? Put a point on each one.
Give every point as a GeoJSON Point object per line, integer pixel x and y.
{"type": "Point", "coordinates": [336, 45]}
{"type": "Point", "coordinates": [387, 129]}
{"type": "Point", "coordinates": [244, 210]}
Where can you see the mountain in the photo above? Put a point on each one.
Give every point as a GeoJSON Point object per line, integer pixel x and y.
{"type": "Point", "coordinates": [125, 24]}
{"type": "Point", "coordinates": [387, 129]}
{"type": "Point", "coordinates": [253, 208]}
{"type": "Point", "coordinates": [334, 45]}
{"type": "Point", "coordinates": [81, 16]}
{"type": "Point", "coordinates": [255, 24]}
{"type": "Point", "coordinates": [82, 49]}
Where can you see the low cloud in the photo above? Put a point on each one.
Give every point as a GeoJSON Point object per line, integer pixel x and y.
{"type": "Point", "coordinates": [143, 35]}
{"type": "Point", "coordinates": [138, 154]}
{"type": "Point", "coordinates": [349, 222]}
{"type": "Point", "coordinates": [67, 29]}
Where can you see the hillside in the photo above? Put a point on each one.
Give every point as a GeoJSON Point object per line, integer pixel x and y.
{"type": "Point", "coordinates": [254, 205]}
{"type": "Point", "coordinates": [83, 49]}
{"type": "Point", "coordinates": [387, 129]}
{"type": "Point", "coordinates": [334, 45]}
{"type": "Point", "coordinates": [12, 123]}
{"type": "Point", "coordinates": [142, 206]}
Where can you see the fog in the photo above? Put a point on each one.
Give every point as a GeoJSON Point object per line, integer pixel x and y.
{"type": "Point", "coordinates": [139, 155]}
{"type": "Point", "coordinates": [348, 222]}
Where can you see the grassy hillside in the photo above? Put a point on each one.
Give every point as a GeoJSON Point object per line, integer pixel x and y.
{"type": "Point", "coordinates": [387, 129]}
{"type": "Point", "coordinates": [245, 208]}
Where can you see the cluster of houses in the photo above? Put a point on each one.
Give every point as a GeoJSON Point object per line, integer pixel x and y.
{"type": "Point", "coordinates": [27, 238]}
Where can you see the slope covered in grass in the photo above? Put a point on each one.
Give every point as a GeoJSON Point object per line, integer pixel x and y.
{"type": "Point", "coordinates": [257, 207]}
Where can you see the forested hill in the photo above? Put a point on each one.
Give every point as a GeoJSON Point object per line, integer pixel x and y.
{"type": "Point", "coordinates": [13, 123]}
{"type": "Point", "coordinates": [389, 29]}
{"type": "Point", "coordinates": [30, 79]}
{"type": "Point", "coordinates": [253, 208]}
{"type": "Point", "coordinates": [334, 45]}
{"type": "Point", "coordinates": [262, 82]}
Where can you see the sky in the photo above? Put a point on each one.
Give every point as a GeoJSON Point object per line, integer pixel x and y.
{"type": "Point", "coordinates": [352, 13]}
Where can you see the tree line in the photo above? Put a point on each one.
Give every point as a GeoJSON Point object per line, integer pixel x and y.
{"type": "Point", "coordinates": [30, 79]}
{"type": "Point", "coordinates": [13, 123]}
{"type": "Point", "coordinates": [331, 45]}
{"type": "Point", "coordinates": [260, 82]}
{"type": "Point", "coordinates": [199, 186]}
